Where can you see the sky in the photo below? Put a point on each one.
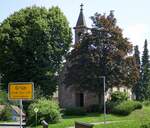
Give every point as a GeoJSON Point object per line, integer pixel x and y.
{"type": "Point", "coordinates": [132, 15]}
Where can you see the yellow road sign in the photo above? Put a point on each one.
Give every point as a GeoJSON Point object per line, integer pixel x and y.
{"type": "Point", "coordinates": [21, 90]}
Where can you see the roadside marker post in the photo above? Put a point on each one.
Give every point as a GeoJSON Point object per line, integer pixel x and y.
{"type": "Point", "coordinates": [21, 107]}
{"type": "Point", "coordinates": [36, 111]}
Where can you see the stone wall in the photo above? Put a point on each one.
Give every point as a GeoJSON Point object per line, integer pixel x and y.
{"type": "Point", "coordinates": [90, 99]}
{"type": "Point", "coordinates": [66, 97]}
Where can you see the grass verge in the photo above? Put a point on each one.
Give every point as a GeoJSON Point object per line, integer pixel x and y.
{"type": "Point", "coordinates": [134, 120]}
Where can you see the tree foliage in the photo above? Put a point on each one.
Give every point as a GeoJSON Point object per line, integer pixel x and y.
{"type": "Point", "coordinates": [137, 57]}
{"type": "Point", "coordinates": [137, 88]}
{"type": "Point", "coordinates": [3, 97]}
{"type": "Point", "coordinates": [6, 113]}
{"type": "Point", "coordinates": [101, 52]}
{"type": "Point", "coordinates": [32, 43]}
{"type": "Point", "coordinates": [119, 97]}
{"type": "Point", "coordinates": [145, 75]}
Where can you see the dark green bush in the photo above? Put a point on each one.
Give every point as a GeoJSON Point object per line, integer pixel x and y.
{"type": "Point", "coordinates": [118, 96]}
{"type": "Point", "coordinates": [110, 105]}
{"type": "Point", "coordinates": [6, 113]}
{"type": "Point", "coordinates": [137, 105]}
{"type": "Point", "coordinates": [147, 125]}
{"type": "Point", "coordinates": [126, 107]}
{"type": "Point", "coordinates": [74, 111]}
{"type": "Point", "coordinates": [48, 111]}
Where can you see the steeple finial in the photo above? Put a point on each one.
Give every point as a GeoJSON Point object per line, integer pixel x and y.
{"type": "Point", "coordinates": [81, 19]}
{"type": "Point", "coordinates": [81, 6]}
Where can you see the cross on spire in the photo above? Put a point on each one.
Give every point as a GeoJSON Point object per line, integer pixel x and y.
{"type": "Point", "coordinates": [81, 6]}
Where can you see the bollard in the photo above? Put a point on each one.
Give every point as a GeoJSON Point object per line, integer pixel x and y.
{"type": "Point", "coordinates": [44, 124]}
{"type": "Point", "coordinates": [83, 125]}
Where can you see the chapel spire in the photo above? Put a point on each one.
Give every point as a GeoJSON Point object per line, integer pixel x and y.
{"type": "Point", "coordinates": [80, 25]}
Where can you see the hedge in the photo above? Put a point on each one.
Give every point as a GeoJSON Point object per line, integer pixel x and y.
{"type": "Point", "coordinates": [126, 107]}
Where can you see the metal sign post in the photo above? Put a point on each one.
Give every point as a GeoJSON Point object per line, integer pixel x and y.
{"type": "Point", "coordinates": [21, 91]}
{"type": "Point", "coordinates": [21, 113]}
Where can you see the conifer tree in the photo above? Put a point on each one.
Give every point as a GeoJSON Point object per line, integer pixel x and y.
{"type": "Point", "coordinates": [137, 56]}
{"type": "Point", "coordinates": [145, 74]}
{"type": "Point", "coordinates": [136, 88]}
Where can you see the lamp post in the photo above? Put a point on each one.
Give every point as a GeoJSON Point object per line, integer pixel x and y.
{"type": "Point", "coordinates": [0, 77]}
{"type": "Point", "coordinates": [92, 47]}
{"type": "Point", "coordinates": [104, 88]}
{"type": "Point", "coordinates": [103, 77]}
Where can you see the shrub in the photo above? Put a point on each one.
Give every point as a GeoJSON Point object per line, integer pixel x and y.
{"type": "Point", "coordinates": [6, 114]}
{"type": "Point", "coordinates": [147, 125]}
{"type": "Point", "coordinates": [146, 103]}
{"type": "Point", "coordinates": [3, 97]}
{"type": "Point", "coordinates": [126, 107]}
{"type": "Point", "coordinates": [48, 111]}
{"type": "Point", "coordinates": [137, 105]}
{"type": "Point", "coordinates": [118, 96]}
{"type": "Point", "coordinates": [110, 105]}
{"type": "Point", "coordinates": [74, 111]}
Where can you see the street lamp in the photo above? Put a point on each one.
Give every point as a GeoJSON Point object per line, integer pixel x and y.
{"type": "Point", "coordinates": [0, 81]}
{"type": "Point", "coordinates": [104, 86]}
{"type": "Point", "coordinates": [93, 47]}
{"type": "Point", "coordinates": [103, 77]}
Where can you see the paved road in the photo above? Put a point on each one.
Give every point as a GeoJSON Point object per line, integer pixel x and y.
{"type": "Point", "coordinates": [10, 125]}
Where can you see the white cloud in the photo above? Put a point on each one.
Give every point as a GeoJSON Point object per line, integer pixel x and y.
{"type": "Point", "coordinates": [137, 33]}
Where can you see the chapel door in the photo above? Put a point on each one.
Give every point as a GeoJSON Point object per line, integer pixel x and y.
{"type": "Point", "coordinates": [79, 99]}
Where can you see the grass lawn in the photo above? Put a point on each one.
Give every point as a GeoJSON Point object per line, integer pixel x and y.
{"type": "Point", "coordinates": [134, 120]}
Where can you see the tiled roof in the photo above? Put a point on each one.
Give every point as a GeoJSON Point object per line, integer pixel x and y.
{"type": "Point", "coordinates": [17, 110]}
{"type": "Point", "coordinates": [2, 107]}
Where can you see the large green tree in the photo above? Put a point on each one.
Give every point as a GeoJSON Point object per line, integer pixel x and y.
{"type": "Point", "coordinates": [32, 43]}
{"type": "Point", "coordinates": [145, 74]}
{"type": "Point", "coordinates": [102, 52]}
